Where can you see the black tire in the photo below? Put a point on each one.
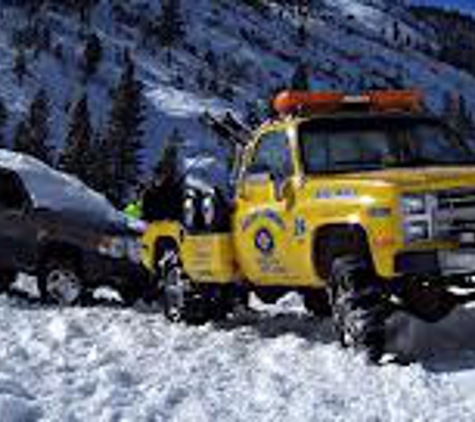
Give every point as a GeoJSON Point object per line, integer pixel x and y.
{"type": "Point", "coordinates": [317, 303]}
{"type": "Point", "coordinates": [181, 302]}
{"type": "Point", "coordinates": [359, 312]}
{"type": "Point", "coordinates": [7, 278]}
{"type": "Point", "coordinates": [60, 282]}
{"type": "Point", "coordinates": [195, 304]}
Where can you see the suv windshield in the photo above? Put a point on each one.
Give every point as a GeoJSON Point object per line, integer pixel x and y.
{"type": "Point", "coordinates": [343, 145]}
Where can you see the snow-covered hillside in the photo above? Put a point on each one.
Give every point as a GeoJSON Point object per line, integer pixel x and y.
{"type": "Point", "coordinates": [232, 57]}
{"type": "Point", "coordinates": [112, 364]}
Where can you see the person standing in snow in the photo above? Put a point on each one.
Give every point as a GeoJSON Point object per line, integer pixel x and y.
{"type": "Point", "coordinates": [162, 198]}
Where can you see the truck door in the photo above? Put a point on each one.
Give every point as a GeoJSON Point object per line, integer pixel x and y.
{"type": "Point", "coordinates": [262, 218]}
{"type": "Point", "coordinates": [17, 232]}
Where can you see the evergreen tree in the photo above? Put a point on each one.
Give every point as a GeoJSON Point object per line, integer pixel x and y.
{"type": "Point", "coordinates": [3, 121]}
{"type": "Point", "coordinates": [78, 155]}
{"type": "Point", "coordinates": [31, 134]}
{"type": "Point", "coordinates": [92, 56]}
{"type": "Point", "coordinates": [84, 8]}
{"type": "Point", "coordinates": [456, 113]}
{"type": "Point", "coordinates": [300, 80]}
{"type": "Point", "coordinates": [21, 136]}
{"type": "Point", "coordinates": [169, 161]}
{"type": "Point", "coordinates": [100, 170]}
{"type": "Point", "coordinates": [20, 68]}
{"type": "Point", "coordinates": [171, 26]}
{"type": "Point", "coordinates": [123, 139]}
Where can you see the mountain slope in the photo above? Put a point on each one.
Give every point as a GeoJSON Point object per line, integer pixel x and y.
{"type": "Point", "coordinates": [233, 57]}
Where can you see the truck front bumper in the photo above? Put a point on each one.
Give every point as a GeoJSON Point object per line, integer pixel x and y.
{"type": "Point", "coordinates": [436, 262]}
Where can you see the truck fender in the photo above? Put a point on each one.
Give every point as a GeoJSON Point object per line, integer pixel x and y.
{"type": "Point", "coordinates": [336, 240]}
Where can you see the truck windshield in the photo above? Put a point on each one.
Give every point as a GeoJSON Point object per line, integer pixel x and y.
{"type": "Point", "coordinates": [378, 143]}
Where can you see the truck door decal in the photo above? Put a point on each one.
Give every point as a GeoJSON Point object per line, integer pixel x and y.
{"type": "Point", "coordinates": [264, 242]}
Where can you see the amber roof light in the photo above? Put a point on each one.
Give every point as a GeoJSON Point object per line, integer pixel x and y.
{"type": "Point", "coordinates": [295, 102]}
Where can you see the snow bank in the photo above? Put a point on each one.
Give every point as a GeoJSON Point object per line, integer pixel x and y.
{"type": "Point", "coordinates": [55, 190]}
{"type": "Point", "coordinates": [15, 409]}
{"type": "Point", "coordinates": [279, 364]}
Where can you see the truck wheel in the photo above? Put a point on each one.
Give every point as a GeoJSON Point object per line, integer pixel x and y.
{"type": "Point", "coordinates": [7, 278]}
{"type": "Point", "coordinates": [182, 302]}
{"type": "Point", "coordinates": [59, 282]}
{"type": "Point", "coordinates": [357, 303]}
{"type": "Point", "coordinates": [317, 303]}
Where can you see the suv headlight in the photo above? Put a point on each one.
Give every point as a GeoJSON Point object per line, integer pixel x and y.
{"type": "Point", "coordinates": [417, 211]}
{"type": "Point", "coordinates": [121, 248]}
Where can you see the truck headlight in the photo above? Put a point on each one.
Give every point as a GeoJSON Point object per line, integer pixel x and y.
{"type": "Point", "coordinates": [417, 210]}
{"type": "Point", "coordinates": [414, 204]}
{"type": "Point", "coordinates": [416, 231]}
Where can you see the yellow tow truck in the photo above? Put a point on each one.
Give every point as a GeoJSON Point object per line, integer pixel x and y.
{"type": "Point", "coordinates": [363, 204]}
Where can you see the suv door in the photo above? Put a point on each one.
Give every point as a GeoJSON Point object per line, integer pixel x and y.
{"type": "Point", "coordinates": [17, 231]}
{"type": "Point", "coordinates": [262, 218]}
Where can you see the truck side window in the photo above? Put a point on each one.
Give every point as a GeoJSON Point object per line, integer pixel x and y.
{"type": "Point", "coordinates": [12, 194]}
{"type": "Point", "coordinates": [272, 156]}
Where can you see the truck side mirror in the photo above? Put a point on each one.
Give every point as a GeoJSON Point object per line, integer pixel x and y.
{"type": "Point", "coordinates": [287, 192]}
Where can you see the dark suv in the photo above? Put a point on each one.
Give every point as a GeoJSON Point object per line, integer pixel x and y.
{"type": "Point", "coordinates": [54, 227]}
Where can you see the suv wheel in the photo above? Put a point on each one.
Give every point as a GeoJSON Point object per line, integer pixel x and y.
{"type": "Point", "coordinates": [60, 282]}
{"type": "Point", "coordinates": [7, 278]}
{"type": "Point", "coordinates": [358, 308]}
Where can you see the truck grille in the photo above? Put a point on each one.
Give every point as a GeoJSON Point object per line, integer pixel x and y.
{"type": "Point", "coordinates": [454, 200]}
{"type": "Point", "coordinates": [455, 213]}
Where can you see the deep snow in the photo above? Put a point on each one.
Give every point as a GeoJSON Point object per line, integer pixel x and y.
{"type": "Point", "coordinates": [106, 363]}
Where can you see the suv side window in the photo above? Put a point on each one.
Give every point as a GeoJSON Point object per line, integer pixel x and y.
{"type": "Point", "coordinates": [272, 156]}
{"type": "Point", "coordinates": [12, 192]}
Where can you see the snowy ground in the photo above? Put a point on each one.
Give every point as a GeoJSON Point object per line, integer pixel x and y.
{"type": "Point", "coordinates": [105, 363]}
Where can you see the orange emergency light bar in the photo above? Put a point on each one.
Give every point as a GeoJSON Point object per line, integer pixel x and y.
{"type": "Point", "coordinates": [294, 102]}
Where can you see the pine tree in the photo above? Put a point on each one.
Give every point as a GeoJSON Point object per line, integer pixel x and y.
{"type": "Point", "coordinates": [171, 26]}
{"type": "Point", "coordinates": [32, 133]}
{"type": "Point", "coordinates": [33, 7]}
{"type": "Point", "coordinates": [169, 161]}
{"type": "Point", "coordinates": [3, 121]}
{"type": "Point", "coordinates": [92, 56]}
{"type": "Point", "coordinates": [84, 8]}
{"type": "Point", "coordinates": [21, 136]}
{"type": "Point", "coordinates": [78, 155]}
{"type": "Point", "coordinates": [123, 139]}
{"type": "Point", "coordinates": [300, 79]}
{"type": "Point", "coordinates": [456, 113]}
{"type": "Point", "coordinates": [100, 170]}
{"type": "Point", "coordinates": [20, 68]}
